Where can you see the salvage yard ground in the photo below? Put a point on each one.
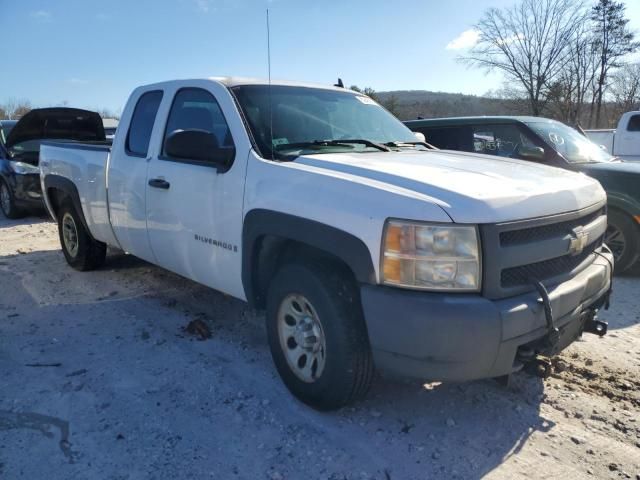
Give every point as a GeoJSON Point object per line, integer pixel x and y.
{"type": "Point", "coordinates": [101, 378]}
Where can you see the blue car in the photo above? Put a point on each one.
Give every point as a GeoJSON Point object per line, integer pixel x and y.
{"type": "Point", "coordinates": [20, 141]}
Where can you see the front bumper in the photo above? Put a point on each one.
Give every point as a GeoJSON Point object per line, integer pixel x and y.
{"type": "Point", "coordinates": [26, 189]}
{"type": "Point", "coordinates": [440, 336]}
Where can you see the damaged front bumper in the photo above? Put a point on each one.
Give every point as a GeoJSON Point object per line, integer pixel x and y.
{"type": "Point", "coordinates": [434, 336]}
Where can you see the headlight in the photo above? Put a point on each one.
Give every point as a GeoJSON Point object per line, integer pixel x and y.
{"type": "Point", "coordinates": [24, 168]}
{"type": "Point", "coordinates": [431, 257]}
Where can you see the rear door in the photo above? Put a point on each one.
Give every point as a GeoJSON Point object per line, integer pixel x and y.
{"type": "Point", "coordinates": [194, 212]}
{"type": "Point", "coordinates": [128, 173]}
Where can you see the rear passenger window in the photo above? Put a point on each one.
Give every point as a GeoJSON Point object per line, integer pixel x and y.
{"type": "Point", "coordinates": [144, 116]}
{"type": "Point", "coordinates": [634, 124]}
{"type": "Point", "coordinates": [449, 138]}
{"type": "Point", "coordinates": [195, 108]}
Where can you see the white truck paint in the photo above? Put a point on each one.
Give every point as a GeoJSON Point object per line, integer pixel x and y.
{"type": "Point", "coordinates": [622, 142]}
{"type": "Point", "coordinates": [199, 225]}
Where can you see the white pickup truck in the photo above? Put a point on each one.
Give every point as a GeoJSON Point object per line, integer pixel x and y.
{"type": "Point", "coordinates": [367, 248]}
{"type": "Point", "coordinates": [624, 141]}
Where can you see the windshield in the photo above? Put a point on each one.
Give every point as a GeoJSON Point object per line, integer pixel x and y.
{"type": "Point", "coordinates": [575, 148]}
{"type": "Point", "coordinates": [316, 119]}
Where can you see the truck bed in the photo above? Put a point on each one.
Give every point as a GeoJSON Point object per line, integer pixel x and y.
{"type": "Point", "coordinates": [602, 137]}
{"type": "Point", "coordinates": [84, 164]}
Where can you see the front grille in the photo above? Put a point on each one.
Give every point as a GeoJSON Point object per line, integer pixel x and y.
{"type": "Point", "coordinates": [545, 232]}
{"type": "Point", "coordinates": [515, 253]}
{"type": "Point", "coordinates": [523, 275]}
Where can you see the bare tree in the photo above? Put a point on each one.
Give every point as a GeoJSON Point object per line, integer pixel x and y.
{"type": "Point", "coordinates": [566, 96]}
{"type": "Point", "coordinates": [625, 88]}
{"type": "Point", "coordinates": [529, 42]}
{"type": "Point", "coordinates": [14, 109]}
{"type": "Point", "coordinates": [613, 40]}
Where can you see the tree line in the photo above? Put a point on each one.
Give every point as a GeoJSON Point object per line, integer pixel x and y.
{"type": "Point", "coordinates": [564, 59]}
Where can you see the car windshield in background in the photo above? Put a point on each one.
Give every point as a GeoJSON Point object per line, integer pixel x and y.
{"type": "Point", "coordinates": [317, 120]}
{"type": "Point", "coordinates": [573, 146]}
{"type": "Point", "coordinates": [5, 128]}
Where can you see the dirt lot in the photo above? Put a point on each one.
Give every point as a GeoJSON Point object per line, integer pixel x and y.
{"type": "Point", "coordinates": [99, 378]}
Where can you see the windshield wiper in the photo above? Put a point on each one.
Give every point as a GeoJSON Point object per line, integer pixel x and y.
{"type": "Point", "coordinates": [410, 144]}
{"type": "Point", "coordinates": [336, 143]}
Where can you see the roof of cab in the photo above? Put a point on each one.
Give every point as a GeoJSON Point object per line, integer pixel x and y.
{"type": "Point", "coordinates": [483, 120]}
{"type": "Point", "coordinates": [230, 82]}
{"type": "Point", "coordinates": [236, 81]}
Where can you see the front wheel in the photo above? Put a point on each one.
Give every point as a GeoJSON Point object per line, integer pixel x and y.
{"type": "Point", "coordinates": [8, 202]}
{"type": "Point", "coordinates": [317, 335]}
{"type": "Point", "coordinates": [623, 238]}
{"type": "Point", "coordinates": [81, 251]}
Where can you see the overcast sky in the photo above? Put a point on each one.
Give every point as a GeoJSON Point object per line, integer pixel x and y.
{"type": "Point", "coordinates": [91, 54]}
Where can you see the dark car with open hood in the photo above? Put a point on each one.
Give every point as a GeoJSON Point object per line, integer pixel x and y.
{"type": "Point", "coordinates": [552, 143]}
{"type": "Point", "coordinates": [20, 148]}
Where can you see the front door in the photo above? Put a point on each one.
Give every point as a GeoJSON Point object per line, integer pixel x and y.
{"type": "Point", "coordinates": [194, 212]}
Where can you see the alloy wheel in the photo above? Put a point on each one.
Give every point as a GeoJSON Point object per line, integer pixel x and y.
{"type": "Point", "coordinates": [616, 241]}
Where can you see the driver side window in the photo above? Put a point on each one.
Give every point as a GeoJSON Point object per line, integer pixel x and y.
{"type": "Point", "coordinates": [197, 109]}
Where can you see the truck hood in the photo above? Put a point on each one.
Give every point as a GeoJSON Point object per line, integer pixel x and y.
{"type": "Point", "coordinates": [57, 123]}
{"type": "Point", "coordinates": [470, 188]}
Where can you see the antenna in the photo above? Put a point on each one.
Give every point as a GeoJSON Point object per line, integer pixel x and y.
{"type": "Point", "coordinates": [269, 74]}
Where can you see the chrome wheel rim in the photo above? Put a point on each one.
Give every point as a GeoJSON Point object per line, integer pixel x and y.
{"type": "Point", "coordinates": [70, 234]}
{"type": "Point", "coordinates": [301, 337]}
{"type": "Point", "coordinates": [616, 241]}
{"type": "Point", "coordinates": [5, 198]}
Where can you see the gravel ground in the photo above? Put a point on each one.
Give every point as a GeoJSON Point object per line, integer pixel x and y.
{"type": "Point", "coordinates": [101, 378]}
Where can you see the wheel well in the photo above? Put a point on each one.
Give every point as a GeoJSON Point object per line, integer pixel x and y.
{"type": "Point", "coordinates": [271, 252]}
{"type": "Point", "coordinates": [56, 198]}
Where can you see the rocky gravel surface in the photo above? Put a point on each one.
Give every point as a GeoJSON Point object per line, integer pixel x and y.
{"type": "Point", "coordinates": [131, 372]}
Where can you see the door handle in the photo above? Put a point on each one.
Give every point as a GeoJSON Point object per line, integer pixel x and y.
{"type": "Point", "coordinates": [159, 183]}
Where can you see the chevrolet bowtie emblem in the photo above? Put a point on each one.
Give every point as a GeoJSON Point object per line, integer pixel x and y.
{"type": "Point", "coordinates": [578, 241]}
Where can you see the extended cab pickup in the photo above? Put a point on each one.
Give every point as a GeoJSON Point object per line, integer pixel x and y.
{"type": "Point", "coordinates": [365, 246]}
{"type": "Point", "coordinates": [624, 141]}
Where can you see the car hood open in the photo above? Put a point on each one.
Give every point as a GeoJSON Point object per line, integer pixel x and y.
{"type": "Point", "coordinates": [57, 123]}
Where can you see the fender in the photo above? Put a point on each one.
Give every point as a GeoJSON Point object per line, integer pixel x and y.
{"type": "Point", "coordinates": [624, 202]}
{"type": "Point", "coordinates": [68, 187]}
{"type": "Point", "coordinates": [338, 243]}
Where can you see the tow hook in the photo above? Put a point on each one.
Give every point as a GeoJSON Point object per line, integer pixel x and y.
{"type": "Point", "coordinates": [595, 326]}
{"type": "Point", "coordinates": [553, 333]}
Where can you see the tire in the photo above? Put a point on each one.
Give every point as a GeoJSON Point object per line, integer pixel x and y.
{"type": "Point", "coordinates": [623, 238]}
{"type": "Point", "coordinates": [343, 364]}
{"type": "Point", "coordinates": [8, 202]}
{"type": "Point", "coordinates": [81, 251]}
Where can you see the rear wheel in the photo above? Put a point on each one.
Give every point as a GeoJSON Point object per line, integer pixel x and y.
{"type": "Point", "coordinates": [317, 335]}
{"type": "Point", "coordinates": [81, 251]}
{"type": "Point", "coordinates": [8, 202]}
{"type": "Point", "coordinates": [623, 238]}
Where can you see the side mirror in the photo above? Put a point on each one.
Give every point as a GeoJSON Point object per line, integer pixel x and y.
{"type": "Point", "coordinates": [420, 136]}
{"type": "Point", "coordinates": [531, 153]}
{"type": "Point", "coordinates": [198, 145]}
